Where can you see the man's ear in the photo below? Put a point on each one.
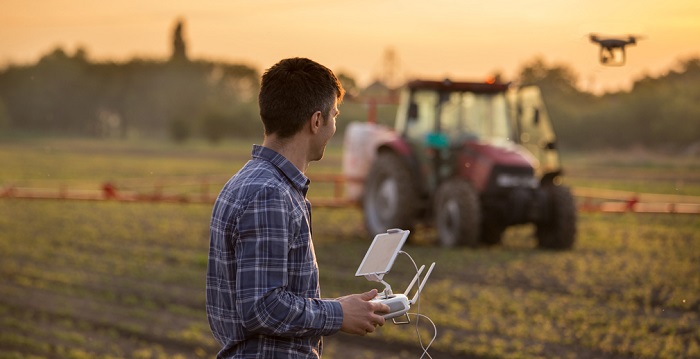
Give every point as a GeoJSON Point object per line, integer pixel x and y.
{"type": "Point", "coordinates": [316, 121]}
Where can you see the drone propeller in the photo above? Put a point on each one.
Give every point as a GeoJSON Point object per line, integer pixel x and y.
{"type": "Point", "coordinates": [620, 39]}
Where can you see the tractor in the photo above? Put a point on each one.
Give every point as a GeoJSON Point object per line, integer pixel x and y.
{"type": "Point", "coordinates": [467, 158]}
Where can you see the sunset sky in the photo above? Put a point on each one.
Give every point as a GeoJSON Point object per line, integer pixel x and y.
{"type": "Point", "coordinates": [460, 39]}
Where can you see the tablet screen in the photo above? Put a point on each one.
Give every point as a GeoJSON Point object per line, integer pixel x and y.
{"type": "Point", "coordinates": [382, 253]}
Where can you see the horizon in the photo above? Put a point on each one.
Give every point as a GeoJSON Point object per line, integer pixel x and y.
{"type": "Point", "coordinates": [427, 39]}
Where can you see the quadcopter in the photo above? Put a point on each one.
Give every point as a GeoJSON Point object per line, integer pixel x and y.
{"type": "Point", "coordinates": [612, 50]}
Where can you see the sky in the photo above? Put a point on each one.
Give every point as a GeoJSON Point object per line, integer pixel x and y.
{"type": "Point", "coordinates": [466, 40]}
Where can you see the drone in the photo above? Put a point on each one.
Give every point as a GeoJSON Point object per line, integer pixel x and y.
{"type": "Point", "coordinates": [612, 50]}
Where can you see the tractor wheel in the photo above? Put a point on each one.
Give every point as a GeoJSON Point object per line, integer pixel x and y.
{"type": "Point", "coordinates": [560, 231]}
{"type": "Point", "coordinates": [390, 199]}
{"type": "Point", "coordinates": [457, 214]}
{"type": "Point", "coordinates": [491, 233]}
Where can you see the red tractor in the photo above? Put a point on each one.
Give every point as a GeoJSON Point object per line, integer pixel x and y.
{"type": "Point", "coordinates": [469, 158]}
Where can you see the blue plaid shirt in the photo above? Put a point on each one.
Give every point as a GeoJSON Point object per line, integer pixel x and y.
{"type": "Point", "coordinates": [263, 293]}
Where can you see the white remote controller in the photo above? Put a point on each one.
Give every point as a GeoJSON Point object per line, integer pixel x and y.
{"type": "Point", "coordinates": [398, 305]}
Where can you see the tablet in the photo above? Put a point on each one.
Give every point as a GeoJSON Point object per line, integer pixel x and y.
{"type": "Point", "coordinates": [382, 253]}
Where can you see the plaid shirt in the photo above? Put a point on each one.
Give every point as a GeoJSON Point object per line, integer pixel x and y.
{"type": "Point", "coordinates": [263, 293]}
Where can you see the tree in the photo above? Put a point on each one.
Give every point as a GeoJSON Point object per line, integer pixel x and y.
{"type": "Point", "coordinates": [4, 116]}
{"type": "Point", "coordinates": [664, 111]}
{"type": "Point", "coordinates": [215, 125]}
{"type": "Point", "coordinates": [555, 78]}
{"type": "Point", "coordinates": [179, 46]}
{"type": "Point", "coordinates": [180, 129]}
{"type": "Point", "coordinates": [349, 84]}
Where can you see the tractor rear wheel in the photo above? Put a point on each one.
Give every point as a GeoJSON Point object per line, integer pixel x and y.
{"type": "Point", "coordinates": [559, 232]}
{"type": "Point", "coordinates": [390, 199]}
{"type": "Point", "coordinates": [457, 214]}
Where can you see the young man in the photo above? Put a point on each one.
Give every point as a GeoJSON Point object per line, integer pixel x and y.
{"type": "Point", "coordinates": [263, 295]}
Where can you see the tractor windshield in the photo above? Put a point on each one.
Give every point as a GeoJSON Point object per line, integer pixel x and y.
{"type": "Point", "coordinates": [456, 115]}
{"type": "Point", "coordinates": [483, 116]}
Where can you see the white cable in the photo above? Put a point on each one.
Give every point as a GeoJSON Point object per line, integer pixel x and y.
{"type": "Point", "coordinates": [425, 349]}
{"type": "Point", "coordinates": [418, 315]}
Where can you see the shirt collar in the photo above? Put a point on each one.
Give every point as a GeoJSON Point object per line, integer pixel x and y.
{"type": "Point", "coordinates": [296, 177]}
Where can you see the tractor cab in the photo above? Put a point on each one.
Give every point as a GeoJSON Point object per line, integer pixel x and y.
{"type": "Point", "coordinates": [444, 122]}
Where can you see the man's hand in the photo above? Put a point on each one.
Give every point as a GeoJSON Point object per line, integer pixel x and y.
{"type": "Point", "coordinates": [359, 313]}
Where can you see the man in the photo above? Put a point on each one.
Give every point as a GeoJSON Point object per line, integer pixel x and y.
{"type": "Point", "coordinates": [263, 294]}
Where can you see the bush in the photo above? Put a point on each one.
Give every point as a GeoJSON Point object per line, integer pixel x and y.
{"type": "Point", "coordinates": [215, 126]}
{"type": "Point", "coordinates": [180, 129]}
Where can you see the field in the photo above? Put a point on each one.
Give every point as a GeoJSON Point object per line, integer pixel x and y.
{"type": "Point", "coordinates": [107, 279]}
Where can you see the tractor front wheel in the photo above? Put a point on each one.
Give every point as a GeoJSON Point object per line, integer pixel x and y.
{"type": "Point", "coordinates": [457, 214]}
{"type": "Point", "coordinates": [559, 231]}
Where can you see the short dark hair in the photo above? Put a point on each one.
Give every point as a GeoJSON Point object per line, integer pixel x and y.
{"type": "Point", "coordinates": [292, 90]}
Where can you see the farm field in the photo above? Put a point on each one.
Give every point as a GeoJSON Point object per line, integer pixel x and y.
{"type": "Point", "coordinates": [107, 279]}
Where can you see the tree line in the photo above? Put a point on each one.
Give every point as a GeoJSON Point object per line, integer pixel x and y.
{"type": "Point", "coordinates": [180, 99]}
{"type": "Point", "coordinates": [68, 94]}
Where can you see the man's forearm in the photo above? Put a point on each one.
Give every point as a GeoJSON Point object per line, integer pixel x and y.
{"type": "Point", "coordinates": [282, 313]}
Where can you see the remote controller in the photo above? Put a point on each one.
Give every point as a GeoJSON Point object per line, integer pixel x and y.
{"type": "Point", "coordinates": [398, 305]}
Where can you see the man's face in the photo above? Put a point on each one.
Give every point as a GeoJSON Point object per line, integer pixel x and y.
{"type": "Point", "coordinates": [326, 132]}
